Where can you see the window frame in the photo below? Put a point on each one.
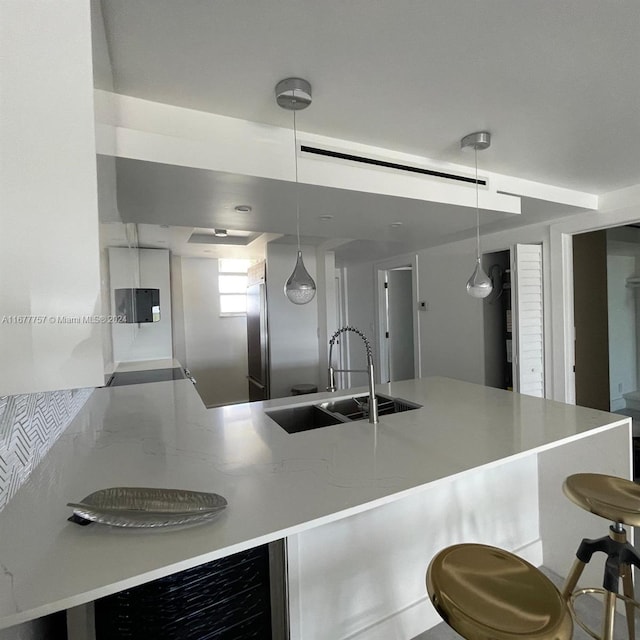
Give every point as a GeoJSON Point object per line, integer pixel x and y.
{"type": "Point", "coordinates": [237, 294]}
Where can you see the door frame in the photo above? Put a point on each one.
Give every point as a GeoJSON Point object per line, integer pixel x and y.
{"type": "Point", "coordinates": [379, 270]}
{"type": "Point", "coordinates": [561, 263]}
{"type": "Point", "coordinates": [341, 357]}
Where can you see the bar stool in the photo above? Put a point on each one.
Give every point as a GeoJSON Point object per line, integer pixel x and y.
{"type": "Point", "coordinates": [617, 500]}
{"type": "Point", "coordinates": [485, 593]}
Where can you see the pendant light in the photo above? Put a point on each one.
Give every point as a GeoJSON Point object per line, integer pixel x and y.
{"type": "Point", "coordinates": [479, 284]}
{"type": "Point", "coordinates": [294, 94]}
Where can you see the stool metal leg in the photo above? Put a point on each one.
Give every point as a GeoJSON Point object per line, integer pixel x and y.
{"type": "Point", "coordinates": [572, 578]}
{"type": "Point", "coordinates": [627, 587]}
{"type": "Point", "coordinates": [609, 613]}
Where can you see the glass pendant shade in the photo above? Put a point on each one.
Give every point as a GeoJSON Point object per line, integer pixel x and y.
{"type": "Point", "coordinates": [479, 284]}
{"type": "Point", "coordinates": [300, 287]}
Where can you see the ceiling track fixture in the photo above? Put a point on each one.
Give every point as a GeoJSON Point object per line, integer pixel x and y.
{"type": "Point", "coordinates": [294, 94]}
{"type": "Point", "coordinates": [479, 284]}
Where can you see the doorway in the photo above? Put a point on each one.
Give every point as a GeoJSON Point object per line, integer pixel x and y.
{"type": "Point", "coordinates": [606, 264]}
{"type": "Point", "coordinates": [397, 326]}
{"type": "Point", "coordinates": [591, 320]}
{"type": "Point", "coordinates": [513, 317]}
{"type": "Point", "coordinates": [498, 336]}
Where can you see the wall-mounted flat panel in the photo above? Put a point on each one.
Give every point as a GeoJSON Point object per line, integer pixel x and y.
{"type": "Point", "coordinates": [135, 269]}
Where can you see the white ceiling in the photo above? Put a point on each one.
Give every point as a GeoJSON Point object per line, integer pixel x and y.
{"type": "Point", "coordinates": [555, 81]}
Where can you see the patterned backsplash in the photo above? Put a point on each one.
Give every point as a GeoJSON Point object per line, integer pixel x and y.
{"type": "Point", "coordinates": [29, 426]}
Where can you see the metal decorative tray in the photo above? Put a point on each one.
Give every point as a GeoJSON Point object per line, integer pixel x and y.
{"type": "Point", "coordinates": [147, 507]}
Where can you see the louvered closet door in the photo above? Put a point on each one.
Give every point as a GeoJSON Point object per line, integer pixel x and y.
{"type": "Point", "coordinates": [529, 319]}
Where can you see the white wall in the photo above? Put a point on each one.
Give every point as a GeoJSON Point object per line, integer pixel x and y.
{"type": "Point", "coordinates": [293, 329]}
{"type": "Point", "coordinates": [145, 341]}
{"type": "Point", "coordinates": [361, 313]}
{"type": "Point", "coordinates": [622, 328]}
{"type": "Point", "coordinates": [177, 310]}
{"type": "Point", "coordinates": [215, 347]}
{"type": "Point", "coordinates": [102, 70]}
{"type": "Point", "coordinates": [327, 307]}
{"type": "Point", "coordinates": [452, 325]}
{"type": "Point", "coordinates": [451, 329]}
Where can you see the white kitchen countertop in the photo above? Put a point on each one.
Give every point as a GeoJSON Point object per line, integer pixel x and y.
{"type": "Point", "coordinates": [277, 484]}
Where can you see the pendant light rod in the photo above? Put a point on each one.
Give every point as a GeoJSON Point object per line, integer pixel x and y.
{"type": "Point", "coordinates": [475, 155]}
{"type": "Point", "coordinates": [294, 94]}
{"type": "Point", "coordinates": [478, 141]}
{"type": "Point", "coordinates": [479, 284]}
{"type": "Point", "coordinates": [295, 155]}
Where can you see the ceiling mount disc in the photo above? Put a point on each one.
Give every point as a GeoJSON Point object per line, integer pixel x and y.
{"type": "Point", "coordinates": [479, 140]}
{"type": "Point", "coordinates": [293, 94]}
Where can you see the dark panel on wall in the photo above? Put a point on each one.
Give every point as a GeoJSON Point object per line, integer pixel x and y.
{"type": "Point", "coordinates": [591, 319]}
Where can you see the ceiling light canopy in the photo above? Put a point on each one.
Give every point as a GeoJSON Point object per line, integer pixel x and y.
{"type": "Point", "coordinates": [293, 94]}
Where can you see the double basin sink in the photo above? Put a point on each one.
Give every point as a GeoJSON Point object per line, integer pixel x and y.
{"type": "Point", "coordinates": [329, 412]}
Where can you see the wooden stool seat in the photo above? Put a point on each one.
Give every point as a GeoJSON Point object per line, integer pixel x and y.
{"type": "Point", "coordinates": [615, 499]}
{"type": "Point", "coordinates": [485, 593]}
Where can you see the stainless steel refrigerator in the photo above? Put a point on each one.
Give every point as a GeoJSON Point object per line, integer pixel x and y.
{"type": "Point", "coordinates": [257, 340]}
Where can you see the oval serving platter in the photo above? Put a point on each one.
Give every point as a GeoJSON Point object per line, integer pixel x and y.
{"type": "Point", "coordinates": [147, 507]}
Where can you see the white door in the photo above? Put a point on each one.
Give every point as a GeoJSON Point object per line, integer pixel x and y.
{"type": "Point", "coordinates": [528, 320]}
{"type": "Point", "coordinates": [400, 328]}
{"type": "Point", "coordinates": [396, 324]}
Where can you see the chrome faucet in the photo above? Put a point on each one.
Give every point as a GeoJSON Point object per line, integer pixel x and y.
{"type": "Point", "coordinates": [373, 401]}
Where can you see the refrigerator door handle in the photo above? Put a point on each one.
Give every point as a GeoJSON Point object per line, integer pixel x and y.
{"type": "Point", "coordinates": [255, 382]}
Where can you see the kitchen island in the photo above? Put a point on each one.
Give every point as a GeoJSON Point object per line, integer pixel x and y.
{"type": "Point", "coordinates": [363, 507]}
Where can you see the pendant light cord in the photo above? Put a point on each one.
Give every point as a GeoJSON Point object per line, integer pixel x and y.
{"type": "Point", "coordinates": [295, 156]}
{"type": "Point", "coordinates": [475, 153]}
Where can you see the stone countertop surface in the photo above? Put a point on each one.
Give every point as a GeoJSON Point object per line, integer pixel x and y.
{"type": "Point", "coordinates": [277, 484]}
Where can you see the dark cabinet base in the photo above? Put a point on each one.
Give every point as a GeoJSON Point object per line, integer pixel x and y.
{"type": "Point", "coordinates": [227, 599]}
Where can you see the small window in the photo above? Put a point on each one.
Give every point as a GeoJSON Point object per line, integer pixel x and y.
{"type": "Point", "coordinates": [232, 286]}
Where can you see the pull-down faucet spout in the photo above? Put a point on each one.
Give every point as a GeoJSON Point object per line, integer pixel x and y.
{"type": "Point", "coordinates": [373, 401]}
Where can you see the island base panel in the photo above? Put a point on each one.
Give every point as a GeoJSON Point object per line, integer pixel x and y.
{"type": "Point", "coordinates": [227, 599]}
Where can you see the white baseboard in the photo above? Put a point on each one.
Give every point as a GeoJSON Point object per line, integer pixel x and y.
{"type": "Point", "coordinates": [617, 404]}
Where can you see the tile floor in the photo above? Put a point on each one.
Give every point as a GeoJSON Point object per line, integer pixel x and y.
{"type": "Point", "coordinates": [588, 609]}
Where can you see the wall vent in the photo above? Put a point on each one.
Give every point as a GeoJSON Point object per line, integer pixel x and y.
{"type": "Point", "coordinates": [389, 165]}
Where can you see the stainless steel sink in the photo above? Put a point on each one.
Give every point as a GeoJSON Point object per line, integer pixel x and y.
{"type": "Point", "coordinates": [295, 419]}
{"type": "Point", "coordinates": [314, 416]}
{"type": "Point", "coordinates": [356, 408]}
